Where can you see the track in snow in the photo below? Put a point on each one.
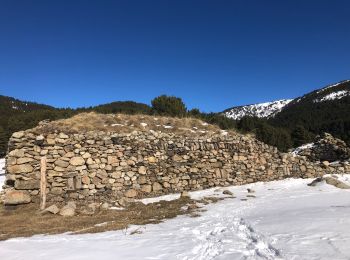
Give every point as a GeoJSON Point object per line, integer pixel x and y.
{"type": "Point", "coordinates": [231, 237]}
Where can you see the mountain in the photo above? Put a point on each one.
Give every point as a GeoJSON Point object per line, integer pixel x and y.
{"type": "Point", "coordinates": [323, 110]}
{"type": "Point", "coordinates": [333, 92]}
{"type": "Point", "coordinates": [261, 110]}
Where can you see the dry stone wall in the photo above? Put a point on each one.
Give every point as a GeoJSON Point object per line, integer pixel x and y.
{"type": "Point", "coordinates": [107, 166]}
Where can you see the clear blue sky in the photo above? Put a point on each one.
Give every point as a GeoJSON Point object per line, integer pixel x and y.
{"type": "Point", "coordinates": [213, 54]}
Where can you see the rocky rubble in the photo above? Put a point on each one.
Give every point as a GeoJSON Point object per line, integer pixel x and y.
{"type": "Point", "coordinates": [326, 148]}
{"type": "Point", "coordinates": [119, 167]}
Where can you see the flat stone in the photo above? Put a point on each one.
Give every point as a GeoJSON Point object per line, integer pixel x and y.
{"type": "Point", "coordinates": [18, 134]}
{"type": "Point", "coordinates": [112, 159]}
{"type": "Point", "coordinates": [24, 160]}
{"type": "Point", "coordinates": [156, 186]}
{"type": "Point", "coordinates": [17, 153]}
{"type": "Point", "coordinates": [146, 188]}
{"type": "Point", "coordinates": [61, 163]}
{"type": "Point", "coordinates": [27, 184]}
{"type": "Point", "coordinates": [52, 209]}
{"type": "Point", "coordinates": [63, 136]}
{"type": "Point", "coordinates": [15, 197]}
{"type": "Point", "coordinates": [22, 168]}
{"type": "Point", "coordinates": [131, 193]}
{"type": "Point", "coordinates": [152, 159]}
{"type": "Point", "coordinates": [142, 170]}
{"type": "Point", "coordinates": [76, 161]}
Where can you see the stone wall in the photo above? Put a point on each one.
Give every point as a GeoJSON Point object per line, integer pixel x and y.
{"type": "Point", "coordinates": [107, 166]}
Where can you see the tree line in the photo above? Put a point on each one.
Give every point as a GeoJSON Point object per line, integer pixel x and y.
{"type": "Point", "coordinates": [281, 135]}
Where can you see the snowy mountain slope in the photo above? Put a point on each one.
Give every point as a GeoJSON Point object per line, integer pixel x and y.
{"type": "Point", "coordinates": [332, 92]}
{"type": "Point", "coordinates": [261, 110]}
{"type": "Point", "coordinates": [286, 220]}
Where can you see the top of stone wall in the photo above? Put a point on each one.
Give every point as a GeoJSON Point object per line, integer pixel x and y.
{"type": "Point", "coordinates": [122, 123]}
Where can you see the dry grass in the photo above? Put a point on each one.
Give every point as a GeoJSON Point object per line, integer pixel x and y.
{"type": "Point", "coordinates": [127, 123]}
{"type": "Point", "coordinates": [26, 221]}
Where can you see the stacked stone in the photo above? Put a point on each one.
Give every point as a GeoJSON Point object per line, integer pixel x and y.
{"type": "Point", "coordinates": [107, 166]}
{"type": "Point", "coordinates": [327, 148]}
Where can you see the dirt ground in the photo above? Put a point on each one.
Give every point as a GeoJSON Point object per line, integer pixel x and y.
{"type": "Point", "coordinates": [27, 220]}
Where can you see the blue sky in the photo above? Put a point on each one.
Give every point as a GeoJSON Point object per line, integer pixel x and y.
{"type": "Point", "coordinates": [213, 54]}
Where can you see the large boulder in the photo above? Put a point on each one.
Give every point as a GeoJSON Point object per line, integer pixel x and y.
{"type": "Point", "coordinates": [16, 197]}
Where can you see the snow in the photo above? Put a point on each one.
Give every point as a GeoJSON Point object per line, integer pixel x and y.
{"type": "Point", "coordinates": [143, 124]}
{"type": "Point", "coordinates": [299, 149]}
{"type": "Point", "coordinates": [331, 86]}
{"type": "Point", "coordinates": [261, 110]}
{"type": "Point", "coordinates": [334, 95]}
{"type": "Point", "coordinates": [286, 220]}
{"type": "Point", "coordinates": [167, 126]}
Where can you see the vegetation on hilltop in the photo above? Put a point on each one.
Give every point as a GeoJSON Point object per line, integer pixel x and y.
{"type": "Point", "coordinates": [297, 124]}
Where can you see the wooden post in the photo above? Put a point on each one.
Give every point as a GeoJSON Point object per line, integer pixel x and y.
{"type": "Point", "coordinates": [43, 183]}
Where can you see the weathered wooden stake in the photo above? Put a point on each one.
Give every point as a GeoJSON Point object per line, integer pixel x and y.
{"type": "Point", "coordinates": [43, 183]}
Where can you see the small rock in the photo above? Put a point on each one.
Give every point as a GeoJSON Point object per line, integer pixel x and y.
{"type": "Point", "coordinates": [131, 193]}
{"type": "Point", "coordinates": [76, 161]}
{"type": "Point", "coordinates": [67, 211]}
{"type": "Point", "coordinates": [325, 163]}
{"type": "Point", "coordinates": [315, 182]}
{"type": "Point", "coordinates": [185, 194]}
{"type": "Point", "coordinates": [105, 206]}
{"type": "Point", "coordinates": [250, 190]}
{"type": "Point", "coordinates": [227, 192]}
{"type": "Point", "coordinates": [156, 186]}
{"type": "Point", "coordinates": [124, 202]}
{"type": "Point", "coordinates": [142, 170]}
{"type": "Point", "coordinates": [146, 188]}
{"type": "Point", "coordinates": [18, 135]}
{"type": "Point", "coordinates": [52, 209]}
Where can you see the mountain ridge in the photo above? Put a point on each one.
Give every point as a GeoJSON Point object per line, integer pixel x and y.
{"type": "Point", "coordinates": [270, 109]}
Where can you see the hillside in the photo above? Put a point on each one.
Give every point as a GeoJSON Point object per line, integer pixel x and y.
{"type": "Point", "coordinates": [19, 115]}
{"type": "Point", "coordinates": [260, 110]}
{"type": "Point", "coordinates": [323, 110]}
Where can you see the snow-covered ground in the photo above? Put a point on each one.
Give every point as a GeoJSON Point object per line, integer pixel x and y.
{"type": "Point", "coordinates": [286, 220]}
{"type": "Point", "coordinates": [267, 109]}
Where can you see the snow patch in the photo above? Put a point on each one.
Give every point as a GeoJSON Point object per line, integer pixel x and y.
{"type": "Point", "coordinates": [261, 110]}
{"type": "Point", "coordinates": [331, 86]}
{"type": "Point", "coordinates": [333, 96]}
{"type": "Point", "coordinates": [299, 149]}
